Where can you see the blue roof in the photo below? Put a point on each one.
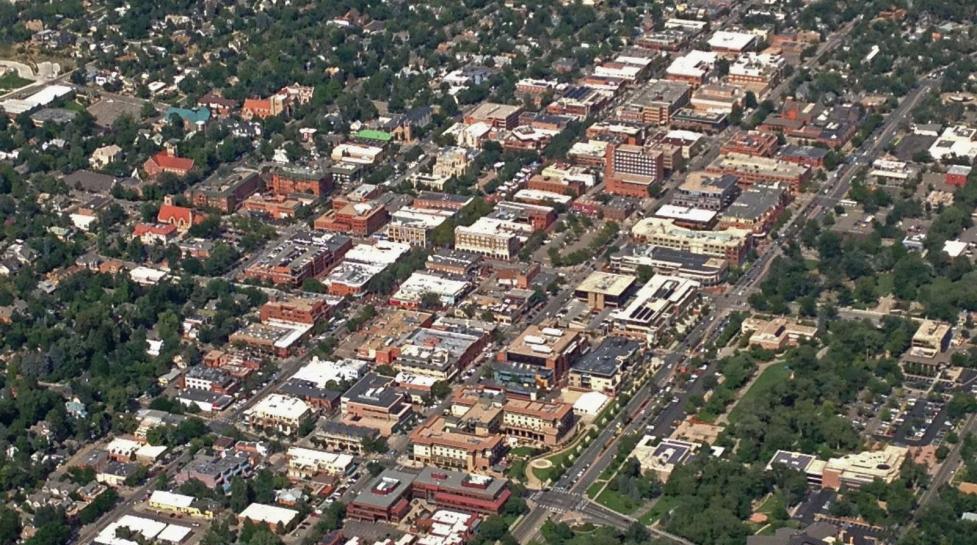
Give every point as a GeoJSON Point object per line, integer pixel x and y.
{"type": "Point", "coordinates": [196, 116]}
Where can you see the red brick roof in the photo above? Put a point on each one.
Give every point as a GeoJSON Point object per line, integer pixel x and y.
{"type": "Point", "coordinates": [171, 162]}
{"type": "Point", "coordinates": [151, 228]}
{"type": "Point", "coordinates": [175, 215]}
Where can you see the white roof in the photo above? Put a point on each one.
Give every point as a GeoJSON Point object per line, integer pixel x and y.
{"type": "Point", "coordinates": [694, 64]}
{"type": "Point", "coordinates": [955, 248]}
{"type": "Point", "coordinates": [321, 372]}
{"type": "Point", "coordinates": [149, 529]}
{"type": "Point", "coordinates": [381, 253]}
{"type": "Point", "coordinates": [420, 381]}
{"type": "Point", "coordinates": [540, 195]}
{"type": "Point", "coordinates": [45, 96]}
{"type": "Point", "coordinates": [420, 283]}
{"type": "Point", "coordinates": [282, 406]}
{"type": "Point", "coordinates": [121, 444]}
{"type": "Point", "coordinates": [422, 217]}
{"type": "Point", "coordinates": [174, 533]}
{"type": "Point", "coordinates": [269, 514]}
{"type": "Point", "coordinates": [590, 402]}
{"type": "Point", "coordinates": [169, 498]}
{"type": "Point", "coordinates": [320, 457]}
{"type": "Point", "coordinates": [150, 451]}
{"type": "Point", "coordinates": [698, 215]}
{"type": "Point", "coordinates": [733, 41]}
{"type": "Point", "coordinates": [689, 136]}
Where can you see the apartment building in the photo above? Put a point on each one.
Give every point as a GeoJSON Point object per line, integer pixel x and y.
{"type": "Point", "coordinates": [537, 423]}
{"type": "Point", "coordinates": [754, 143]}
{"type": "Point", "coordinates": [414, 226]}
{"type": "Point", "coordinates": [718, 97]}
{"type": "Point", "coordinates": [470, 443]}
{"type": "Point", "coordinates": [304, 255]}
{"type": "Point", "coordinates": [657, 308]}
{"type": "Point", "coordinates": [758, 208]}
{"type": "Point", "coordinates": [754, 170]}
{"type": "Point", "coordinates": [296, 309]}
{"type": "Point", "coordinates": [498, 116]}
{"type": "Point", "coordinates": [655, 104]}
{"type": "Point", "coordinates": [375, 402]}
{"type": "Point", "coordinates": [604, 368]}
{"type": "Point", "coordinates": [602, 290]}
{"type": "Point", "coordinates": [291, 179]}
{"type": "Point", "coordinates": [489, 237]}
{"type": "Point", "coordinates": [757, 72]}
{"type": "Point", "coordinates": [278, 413]}
{"type": "Point", "coordinates": [354, 218]}
{"type": "Point", "coordinates": [731, 244]}
{"type": "Point", "coordinates": [305, 463]}
{"type": "Point", "coordinates": [226, 192]}
{"type": "Point", "coordinates": [547, 347]}
{"type": "Point", "coordinates": [706, 191]}
{"type": "Point", "coordinates": [631, 171]}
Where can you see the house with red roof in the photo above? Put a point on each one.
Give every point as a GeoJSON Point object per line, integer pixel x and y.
{"type": "Point", "coordinates": [263, 107]}
{"type": "Point", "coordinates": [150, 233]}
{"type": "Point", "coordinates": [167, 161]}
{"type": "Point", "coordinates": [180, 217]}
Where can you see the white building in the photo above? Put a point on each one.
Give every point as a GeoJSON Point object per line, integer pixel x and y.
{"type": "Point", "coordinates": [322, 372]}
{"type": "Point", "coordinates": [272, 515]}
{"type": "Point", "coordinates": [305, 462]}
{"type": "Point", "coordinates": [280, 413]}
{"type": "Point", "coordinates": [734, 42]}
{"type": "Point", "coordinates": [412, 290]}
{"type": "Point", "coordinates": [957, 141]}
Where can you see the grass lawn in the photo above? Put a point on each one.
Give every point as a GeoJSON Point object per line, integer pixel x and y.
{"type": "Point", "coordinates": [74, 106]}
{"type": "Point", "coordinates": [557, 459]}
{"type": "Point", "coordinates": [594, 488]}
{"type": "Point", "coordinates": [771, 375]}
{"type": "Point", "coordinates": [612, 499]}
{"type": "Point", "coordinates": [516, 469]}
{"type": "Point", "coordinates": [11, 80]}
{"type": "Point", "coordinates": [662, 506]}
{"type": "Point", "coordinates": [883, 283]}
{"type": "Point", "coordinates": [772, 504]}
{"type": "Point", "coordinates": [523, 452]}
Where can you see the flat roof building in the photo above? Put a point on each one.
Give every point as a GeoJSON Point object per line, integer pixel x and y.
{"type": "Point", "coordinates": [604, 368]}
{"type": "Point", "coordinates": [601, 289]}
{"type": "Point", "coordinates": [752, 170]}
{"type": "Point", "coordinates": [704, 269]}
{"type": "Point", "coordinates": [657, 309]}
{"type": "Point", "coordinates": [547, 347]}
{"type": "Point", "coordinates": [304, 255]}
{"type": "Point", "coordinates": [731, 244]}
{"type": "Point", "coordinates": [278, 413]}
{"type": "Point", "coordinates": [707, 191]}
{"type": "Point", "coordinates": [376, 403]}
{"type": "Point", "coordinates": [656, 102]}
{"type": "Point", "coordinates": [662, 457]}
{"type": "Point", "coordinates": [931, 339]}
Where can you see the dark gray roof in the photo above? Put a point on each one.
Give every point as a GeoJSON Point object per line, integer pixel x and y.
{"type": "Point", "coordinates": [89, 181]}
{"type": "Point", "coordinates": [465, 483]}
{"type": "Point", "coordinates": [332, 427]}
{"type": "Point", "coordinates": [606, 359]}
{"type": "Point", "coordinates": [755, 201]}
{"type": "Point", "coordinates": [387, 489]}
{"type": "Point", "coordinates": [373, 389]}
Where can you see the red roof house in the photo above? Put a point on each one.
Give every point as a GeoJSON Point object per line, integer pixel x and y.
{"type": "Point", "coordinates": [180, 217]}
{"type": "Point", "coordinates": [165, 161]}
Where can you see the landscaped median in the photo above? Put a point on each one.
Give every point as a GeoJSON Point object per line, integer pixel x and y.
{"type": "Point", "coordinates": [549, 468]}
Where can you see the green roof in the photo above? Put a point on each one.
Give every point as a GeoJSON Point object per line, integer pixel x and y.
{"type": "Point", "coordinates": [371, 134]}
